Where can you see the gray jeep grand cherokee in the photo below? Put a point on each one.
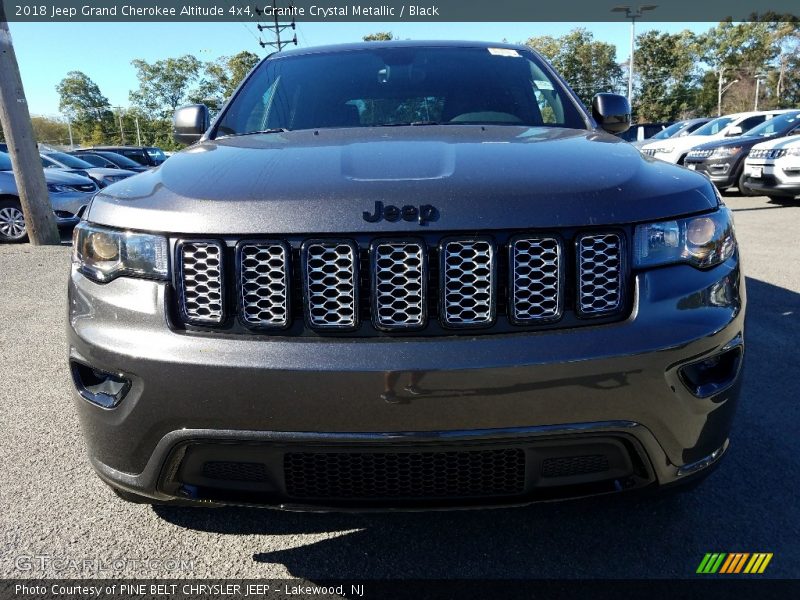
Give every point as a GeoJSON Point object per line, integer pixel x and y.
{"type": "Point", "coordinates": [405, 275]}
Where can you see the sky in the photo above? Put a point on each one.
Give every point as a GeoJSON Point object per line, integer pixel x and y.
{"type": "Point", "coordinates": [104, 51]}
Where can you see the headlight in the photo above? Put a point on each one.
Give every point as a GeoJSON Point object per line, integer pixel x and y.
{"type": "Point", "coordinates": [726, 151]}
{"type": "Point", "coordinates": [103, 254]}
{"type": "Point", "coordinates": [793, 151]}
{"type": "Point", "coordinates": [59, 189]}
{"type": "Point", "coordinates": [702, 241]}
{"type": "Point", "coordinates": [664, 149]}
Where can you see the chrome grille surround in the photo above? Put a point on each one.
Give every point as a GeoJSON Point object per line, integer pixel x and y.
{"type": "Point", "coordinates": [263, 285]}
{"type": "Point", "coordinates": [330, 283]}
{"type": "Point", "coordinates": [399, 284]}
{"type": "Point", "coordinates": [468, 274]}
{"type": "Point", "coordinates": [536, 279]}
{"type": "Point", "coordinates": [600, 284]}
{"type": "Point", "coordinates": [200, 281]}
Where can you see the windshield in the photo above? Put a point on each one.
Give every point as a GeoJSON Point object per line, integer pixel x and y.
{"type": "Point", "coordinates": [669, 131]}
{"type": "Point", "coordinates": [399, 86]}
{"type": "Point", "coordinates": [713, 127]}
{"type": "Point", "coordinates": [775, 125]}
{"type": "Point", "coordinates": [119, 160]}
{"type": "Point", "coordinates": [5, 162]}
{"type": "Point", "coordinates": [73, 162]}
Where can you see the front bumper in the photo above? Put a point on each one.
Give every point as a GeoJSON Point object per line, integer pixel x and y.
{"type": "Point", "coordinates": [724, 172]}
{"type": "Point", "coordinates": [197, 399]}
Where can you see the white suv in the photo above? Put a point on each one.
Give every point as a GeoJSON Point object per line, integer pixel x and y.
{"type": "Point", "coordinates": [773, 168]}
{"type": "Point", "coordinates": [674, 150]}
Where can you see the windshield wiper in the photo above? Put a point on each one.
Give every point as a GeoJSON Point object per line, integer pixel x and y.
{"type": "Point", "coordinates": [273, 130]}
{"type": "Point", "coordinates": [408, 124]}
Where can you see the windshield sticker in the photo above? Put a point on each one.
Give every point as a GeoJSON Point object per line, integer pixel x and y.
{"type": "Point", "coordinates": [504, 52]}
{"type": "Point", "coordinates": [543, 85]}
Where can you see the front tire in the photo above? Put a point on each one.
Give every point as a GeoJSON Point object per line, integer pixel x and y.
{"type": "Point", "coordinates": [743, 191]}
{"type": "Point", "coordinates": [12, 222]}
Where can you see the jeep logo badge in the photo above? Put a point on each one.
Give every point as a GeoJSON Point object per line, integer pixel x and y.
{"type": "Point", "coordinates": [425, 214]}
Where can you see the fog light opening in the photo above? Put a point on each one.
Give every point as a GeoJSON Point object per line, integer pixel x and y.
{"type": "Point", "coordinates": [713, 374]}
{"type": "Point", "coordinates": [99, 387]}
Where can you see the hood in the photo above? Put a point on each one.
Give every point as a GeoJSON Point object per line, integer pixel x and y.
{"type": "Point", "coordinates": [499, 177]}
{"type": "Point", "coordinates": [100, 172]}
{"type": "Point", "coordinates": [790, 141]}
{"type": "Point", "coordinates": [60, 176]}
{"type": "Point", "coordinates": [731, 142]}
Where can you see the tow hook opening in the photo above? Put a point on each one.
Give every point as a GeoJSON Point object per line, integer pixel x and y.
{"type": "Point", "coordinates": [99, 387]}
{"type": "Point", "coordinates": [713, 374]}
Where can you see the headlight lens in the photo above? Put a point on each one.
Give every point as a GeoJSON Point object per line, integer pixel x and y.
{"type": "Point", "coordinates": [664, 149]}
{"type": "Point", "coordinates": [793, 151]}
{"type": "Point", "coordinates": [726, 151]}
{"type": "Point", "coordinates": [700, 241]}
{"type": "Point", "coordinates": [59, 189]}
{"type": "Point", "coordinates": [102, 254]}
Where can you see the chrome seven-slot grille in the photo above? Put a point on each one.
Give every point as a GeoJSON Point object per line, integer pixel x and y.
{"type": "Point", "coordinates": [457, 282]}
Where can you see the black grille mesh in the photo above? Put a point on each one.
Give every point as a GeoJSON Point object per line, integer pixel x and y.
{"type": "Point", "coordinates": [566, 466]}
{"type": "Point", "coordinates": [371, 475]}
{"type": "Point", "coordinates": [235, 471]}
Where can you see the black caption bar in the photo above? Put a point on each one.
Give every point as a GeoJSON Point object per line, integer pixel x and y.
{"type": "Point", "coordinates": [477, 589]}
{"type": "Point", "coordinates": [389, 10]}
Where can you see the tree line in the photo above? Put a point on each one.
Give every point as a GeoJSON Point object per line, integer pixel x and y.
{"type": "Point", "coordinates": [676, 76]}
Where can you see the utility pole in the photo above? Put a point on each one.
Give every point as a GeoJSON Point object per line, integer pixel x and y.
{"type": "Point", "coordinates": [277, 28]}
{"type": "Point", "coordinates": [721, 90]}
{"type": "Point", "coordinates": [121, 131]}
{"type": "Point", "coordinates": [633, 14]}
{"type": "Point", "coordinates": [759, 77]}
{"type": "Point", "coordinates": [69, 127]}
{"type": "Point", "coordinates": [15, 118]}
{"type": "Point", "coordinates": [138, 133]}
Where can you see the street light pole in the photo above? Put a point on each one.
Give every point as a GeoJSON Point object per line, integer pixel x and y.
{"type": "Point", "coordinates": [633, 14]}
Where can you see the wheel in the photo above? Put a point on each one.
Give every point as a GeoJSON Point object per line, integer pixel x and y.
{"type": "Point", "coordinates": [742, 189]}
{"type": "Point", "coordinates": [12, 222]}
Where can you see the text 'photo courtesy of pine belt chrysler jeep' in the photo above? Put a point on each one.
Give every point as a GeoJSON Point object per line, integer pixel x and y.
{"type": "Point", "coordinates": [405, 275]}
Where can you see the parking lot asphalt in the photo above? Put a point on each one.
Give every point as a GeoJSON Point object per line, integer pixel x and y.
{"type": "Point", "coordinates": [52, 504]}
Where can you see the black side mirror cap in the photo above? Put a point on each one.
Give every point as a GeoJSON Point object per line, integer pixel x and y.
{"type": "Point", "coordinates": [190, 123]}
{"type": "Point", "coordinates": [612, 112]}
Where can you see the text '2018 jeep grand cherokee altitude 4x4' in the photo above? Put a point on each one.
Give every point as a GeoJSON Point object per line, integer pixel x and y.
{"type": "Point", "coordinates": [405, 275]}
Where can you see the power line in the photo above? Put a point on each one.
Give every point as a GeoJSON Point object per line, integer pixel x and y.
{"type": "Point", "coordinates": [277, 27]}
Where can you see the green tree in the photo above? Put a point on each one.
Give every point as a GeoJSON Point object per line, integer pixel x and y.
{"type": "Point", "coordinates": [221, 78]}
{"type": "Point", "coordinates": [82, 102]}
{"type": "Point", "coordinates": [665, 76]}
{"type": "Point", "coordinates": [737, 53]}
{"type": "Point", "coordinates": [588, 65]}
{"type": "Point", "coordinates": [165, 84]}
{"type": "Point", "coordinates": [50, 131]}
{"type": "Point", "coordinates": [380, 36]}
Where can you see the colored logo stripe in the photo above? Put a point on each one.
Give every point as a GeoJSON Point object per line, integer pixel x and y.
{"type": "Point", "coordinates": [734, 562]}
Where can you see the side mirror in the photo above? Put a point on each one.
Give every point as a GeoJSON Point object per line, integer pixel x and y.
{"type": "Point", "coordinates": [734, 131]}
{"type": "Point", "coordinates": [612, 112]}
{"type": "Point", "coordinates": [190, 123]}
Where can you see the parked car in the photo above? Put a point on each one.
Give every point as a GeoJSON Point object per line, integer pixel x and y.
{"type": "Point", "coordinates": [723, 160]}
{"type": "Point", "coordinates": [674, 150]}
{"type": "Point", "coordinates": [679, 129]}
{"type": "Point", "coordinates": [68, 193]}
{"type": "Point", "coordinates": [66, 162]}
{"type": "Point", "coordinates": [773, 168]}
{"type": "Point", "coordinates": [643, 131]}
{"type": "Point", "coordinates": [109, 160]}
{"type": "Point", "coordinates": [4, 148]}
{"type": "Point", "coordinates": [147, 156]}
{"type": "Point", "coordinates": [391, 286]}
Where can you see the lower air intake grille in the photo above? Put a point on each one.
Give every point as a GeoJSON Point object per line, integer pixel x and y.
{"type": "Point", "coordinates": [373, 475]}
{"type": "Point", "coordinates": [599, 274]}
{"type": "Point", "coordinates": [468, 273]}
{"type": "Point", "coordinates": [568, 466]}
{"type": "Point", "coordinates": [235, 471]}
{"type": "Point", "coordinates": [200, 278]}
